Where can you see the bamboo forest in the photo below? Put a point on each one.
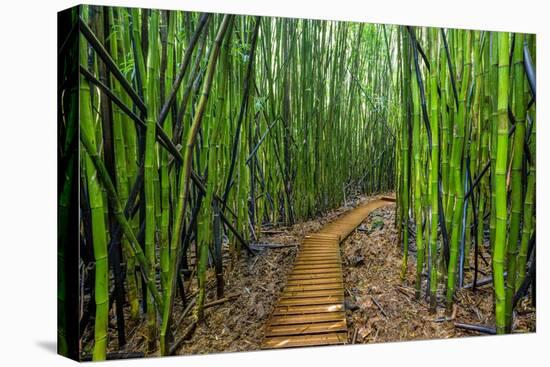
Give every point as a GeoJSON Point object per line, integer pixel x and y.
{"type": "Point", "coordinates": [248, 182]}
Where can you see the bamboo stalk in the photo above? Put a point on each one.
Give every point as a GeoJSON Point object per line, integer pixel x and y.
{"type": "Point", "coordinates": [500, 183]}
{"type": "Point", "coordinates": [517, 183]}
{"type": "Point", "coordinates": [434, 178]}
{"type": "Point", "coordinates": [184, 188]}
{"type": "Point", "coordinates": [99, 235]}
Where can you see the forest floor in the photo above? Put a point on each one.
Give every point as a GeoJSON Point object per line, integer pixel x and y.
{"type": "Point", "coordinates": [380, 307]}
{"type": "Point", "coordinates": [238, 325]}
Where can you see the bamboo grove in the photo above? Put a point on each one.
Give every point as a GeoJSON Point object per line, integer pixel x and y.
{"type": "Point", "coordinates": [466, 162]}
{"type": "Point", "coordinates": [196, 132]}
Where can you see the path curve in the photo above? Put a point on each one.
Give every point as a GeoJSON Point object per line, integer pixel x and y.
{"type": "Point", "coordinates": [310, 310]}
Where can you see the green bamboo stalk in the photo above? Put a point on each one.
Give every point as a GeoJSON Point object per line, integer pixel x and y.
{"type": "Point", "coordinates": [99, 232]}
{"type": "Point", "coordinates": [139, 58]}
{"type": "Point", "coordinates": [516, 176]}
{"type": "Point", "coordinates": [434, 177]}
{"type": "Point", "coordinates": [417, 186]}
{"type": "Point", "coordinates": [150, 175]}
{"type": "Point", "coordinates": [184, 178]}
{"type": "Point", "coordinates": [456, 163]}
{"type": "Point", "coordinates": [132, 246]}
{"type": "Point", "coordinates": [475, 147]}
{"type": "Point", "coordinates": [164, 174]}
{"type": "Point", "coordinates": [528, 210]}
{"type": "Point", "coordinates": [484, 203]}
{"type": "Point", "coordinates": [500, 183]}
{"type": "Point", "coordinates": [130, 143]}
{"type": "Point", "coordinates": [494, 85]}
{"type": "Point", "coordinates": [405, 154]}
{"type": "Point", "coordinates": [121, 160]}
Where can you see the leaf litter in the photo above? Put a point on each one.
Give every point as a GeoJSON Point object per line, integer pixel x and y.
{"type": "Point", "coordinates": [379, 306]}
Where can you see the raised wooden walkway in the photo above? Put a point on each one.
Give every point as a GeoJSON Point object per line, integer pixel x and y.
{"type": "Point", "coordinates": [310, 311]}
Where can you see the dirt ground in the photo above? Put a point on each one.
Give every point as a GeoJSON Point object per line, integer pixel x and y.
{"type": "Point", "coordinates": [382, 308]}
{"type": "Point", "coordinates": [379, 306]}
{"type": "Point", "coordinates": [238, 325]}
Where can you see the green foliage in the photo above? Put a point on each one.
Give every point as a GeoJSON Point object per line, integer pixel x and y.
{"type": "Point", "coordinates": [277, 120]}
{"type": "Point", "coordinates": [470, 91]}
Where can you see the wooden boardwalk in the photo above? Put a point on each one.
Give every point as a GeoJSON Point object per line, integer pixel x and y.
{"type": "Point", "coordinates": [310, 311]}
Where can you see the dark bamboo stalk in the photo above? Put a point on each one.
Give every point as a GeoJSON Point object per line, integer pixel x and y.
{"type": "Point", "coordinates": [110, 63]}
{"type": "Point", "coordinates": [478, 328]}
{"type": "Point", "coordinates": [242, 110]}
{"type": "Point", "coordinates": [183, 68]}
{"type": "Point", "coordinates": [529, 70]}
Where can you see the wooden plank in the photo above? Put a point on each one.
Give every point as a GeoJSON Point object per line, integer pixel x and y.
{"type": "Point", "coordinates": [299, 272]}
{"type": "Point", "coordinates": [318, 258]}
{"type": "Point", "coordinates": [320, 275]}
{"type": "Point", "coordinates": [319, 250]}
{"type": "Point", "coordinates": [316, 269]}
{"type": "Point", "coordinates": [305, 340]}
{"type": "Point", "coordinates": [318, 255]}
{"type": "Point", "coordinates": [322, 235]}
{"type": "Point", "coordinates": [305, 294]}
{"type": "Point", "coordinates": [320, 327]}
{"type": "Point", "coordinates": [307, 319]}
{"type": "Point", "coordinates": [319, 247]}
{"type": "Point", "coordinates": [305, 309]}
{"type": "Point", "coordinates": [334, 279]}
{"type": "Point", "coordinates": [321, 267]}
{"type": "Point", "coordinates": [310, 266]}
{"type": "Point", "coordinates": [319, 300]}
{"type": "Point", "coordinates": [317, 262]}
{"type": "Point", "coordinates": [320, 241]}
{"type": "Point", "coordinates": [334, 262]}
{"type": "Point", "coordinates": [316, 242]}
{"type": "Point", "coordinates": [313, 287]}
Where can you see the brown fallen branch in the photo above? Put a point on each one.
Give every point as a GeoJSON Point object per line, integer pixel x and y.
{"type": "Point", "coordinates": [405, 292]}
{"type": "Point", "coordinates": [354, 339]}
{"type": "Point", "coordinates": [254, 262]}
{"type": "Point", "coordinates": [455, 311]}
{"type": "Point", "coordinates": [446, 318]}
{"type": "Point", "coordinates": [379, 306]}
{"type": "Point", "coordinates": [221, 300]}
{"type": "Point", "coordinates": [186, 335]}
{"type": "Point", "coordinates": [478, 328]}
{"type": "Point", "coordinates": [191, 328]}
{"type": "Point", "coordinates": [192, 299]}
{"type": "Point", "coordinates": [186, 310]}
